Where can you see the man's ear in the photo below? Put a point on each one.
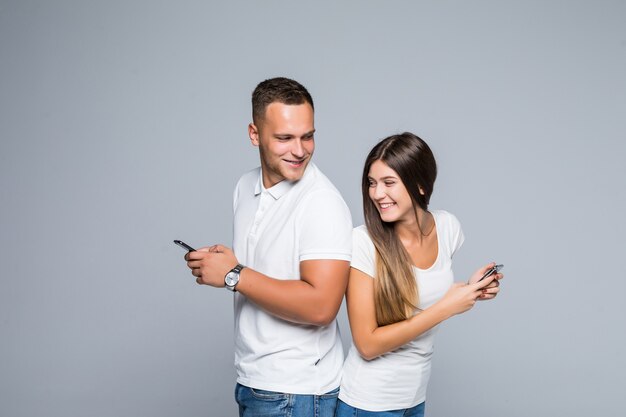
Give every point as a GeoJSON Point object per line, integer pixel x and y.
{"type": "Point", "coordinates": [253, 132]}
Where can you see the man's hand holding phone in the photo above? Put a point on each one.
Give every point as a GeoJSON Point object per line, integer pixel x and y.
{"type": "Point", "coordinates": [210, 264]}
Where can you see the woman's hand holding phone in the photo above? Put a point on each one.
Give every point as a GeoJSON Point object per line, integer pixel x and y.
{"type": "Point", "coordinates": [490, 291]}
{"type": "Point", "coordinates": [461, 297]}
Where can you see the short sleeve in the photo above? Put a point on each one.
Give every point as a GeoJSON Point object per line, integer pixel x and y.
{"type": "Point", "coordinates": [326, 227]}
{"type": "Point", "coordinates": [456, 234]}
{"type": "Point", "coordinates": [363, 252]}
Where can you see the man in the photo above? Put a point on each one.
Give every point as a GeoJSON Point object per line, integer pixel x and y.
{"type": "Point", "coordinates": [289, 267]}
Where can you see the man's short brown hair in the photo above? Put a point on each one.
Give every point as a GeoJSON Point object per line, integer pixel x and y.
{"type": "Point", "coordinates": [281, 90]}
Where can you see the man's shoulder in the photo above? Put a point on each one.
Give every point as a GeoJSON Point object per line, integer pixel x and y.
{"type": "Point", "coordinates": [246, 186]}
{"type": "Point", "coordinates": [248, 181]}
{"type": "Point", "coordinates": [317, 182]}
{"type": "Point", "coordinates": [316, 201]}
{"type": "Point", "coordinates": [250, 177]}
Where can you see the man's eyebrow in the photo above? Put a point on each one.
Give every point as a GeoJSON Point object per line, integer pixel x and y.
{"type": "Point", "coordinates": [290, 135]}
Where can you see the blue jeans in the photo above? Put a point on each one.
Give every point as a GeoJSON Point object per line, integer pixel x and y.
{"type": "Point", "coordinates": [345, 410]}
{"type": "Point", "coordinates": [260, 403]}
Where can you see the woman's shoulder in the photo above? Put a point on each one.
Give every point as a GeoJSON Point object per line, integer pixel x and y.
{"type": "Point", "coordinates": [361, 239]}
{"type": "Point", "coordinates": [446, 218]}
{"type": "Point", "coordinates": [363, 251]}
{"type": "Point", "coordinates": [449, 229]}
{"type": "Point", "coordinates": [360, 233]}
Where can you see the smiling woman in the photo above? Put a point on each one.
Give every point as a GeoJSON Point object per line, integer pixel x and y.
{"type": "Point", "coordinates": [401, 282]}
{"type": "Point", "coordinates": [398, 180]}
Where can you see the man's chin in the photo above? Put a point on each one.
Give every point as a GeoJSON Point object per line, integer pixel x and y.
{"type": "Point", "coordinates": [294, 177]}
{"type": "Point", "coordinates": [295, 173]}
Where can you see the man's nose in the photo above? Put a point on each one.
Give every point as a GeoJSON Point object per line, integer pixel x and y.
{"type": "Point", "coordinates": [297, 149]}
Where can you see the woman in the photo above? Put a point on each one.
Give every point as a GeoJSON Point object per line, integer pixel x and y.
{"type": "Point", "coordinates": [401, 283]}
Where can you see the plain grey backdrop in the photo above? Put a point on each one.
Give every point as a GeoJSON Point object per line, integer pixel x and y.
{"type": "Point", "coordinates": [123, 126]}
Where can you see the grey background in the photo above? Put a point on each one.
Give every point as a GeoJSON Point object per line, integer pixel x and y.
{"type": "Point", "coordinates": [123, 126]}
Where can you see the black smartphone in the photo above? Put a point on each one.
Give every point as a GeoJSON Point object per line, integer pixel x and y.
{"type": "Point", "coordinates": [184, 245]}
{"type": "Point", "coordinates": [494, 270]}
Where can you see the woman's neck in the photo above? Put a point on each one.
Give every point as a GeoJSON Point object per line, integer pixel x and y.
{"type": "Point", "coordinates": [419, 239]}
{"type": "Point", "coordinates": [415, 229]}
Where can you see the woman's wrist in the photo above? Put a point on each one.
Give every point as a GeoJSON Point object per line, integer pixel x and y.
{"type": "Point", "coordinates": [440, 311]}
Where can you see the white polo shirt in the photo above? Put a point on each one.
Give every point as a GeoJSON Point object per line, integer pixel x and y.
{"type": "Point", "coordinates": [274, 230]}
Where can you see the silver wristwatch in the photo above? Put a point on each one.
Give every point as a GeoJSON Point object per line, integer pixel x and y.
{"type": "Point", "coordinates": [232, 278]}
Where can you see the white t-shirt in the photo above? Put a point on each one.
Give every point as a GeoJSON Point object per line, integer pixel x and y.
{"type": "Point", "coordinates": [398, 379]}
{"type": "Point", "coordinates": [274, 230]}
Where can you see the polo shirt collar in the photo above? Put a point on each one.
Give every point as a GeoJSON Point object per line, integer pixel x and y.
{"type": "Point", "coordinates": [277, 191]}
{"type": "Point", "coordinates": [280, 189]}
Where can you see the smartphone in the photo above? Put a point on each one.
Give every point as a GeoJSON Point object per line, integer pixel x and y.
{"type": "Point", "coordinates": [491, 271]}
{"type": "Point", "coordinates": [184, 245]}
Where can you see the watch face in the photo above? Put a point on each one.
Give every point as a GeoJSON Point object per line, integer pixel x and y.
{"type": "Point", "coordinates": [231, 278]}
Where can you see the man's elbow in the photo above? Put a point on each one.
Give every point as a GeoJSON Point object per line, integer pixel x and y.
{"type": "Point", "coordinates": [323, 318]}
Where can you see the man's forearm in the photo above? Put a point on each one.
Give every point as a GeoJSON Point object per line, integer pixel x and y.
{"type": "Point", "coordinates": [303, 301]}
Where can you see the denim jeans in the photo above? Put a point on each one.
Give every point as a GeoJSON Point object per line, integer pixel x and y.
{"type": "Point", "coordinates": [260, 403]}
{"type": "Point", "coordinates": [345, 410]}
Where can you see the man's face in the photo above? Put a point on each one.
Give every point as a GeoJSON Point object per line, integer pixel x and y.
{"type": "Point", "coordinates": [285, 140]}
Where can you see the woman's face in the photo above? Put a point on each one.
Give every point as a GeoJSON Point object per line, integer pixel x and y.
{"type": "Point", "coordinates": [389, 194]}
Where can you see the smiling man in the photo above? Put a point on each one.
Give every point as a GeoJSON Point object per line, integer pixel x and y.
{"type": "Point", "coordinates": [289, 264]}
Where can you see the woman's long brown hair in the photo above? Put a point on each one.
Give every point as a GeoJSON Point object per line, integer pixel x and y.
{"type": "Point", "coordinates": [395, 291]}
